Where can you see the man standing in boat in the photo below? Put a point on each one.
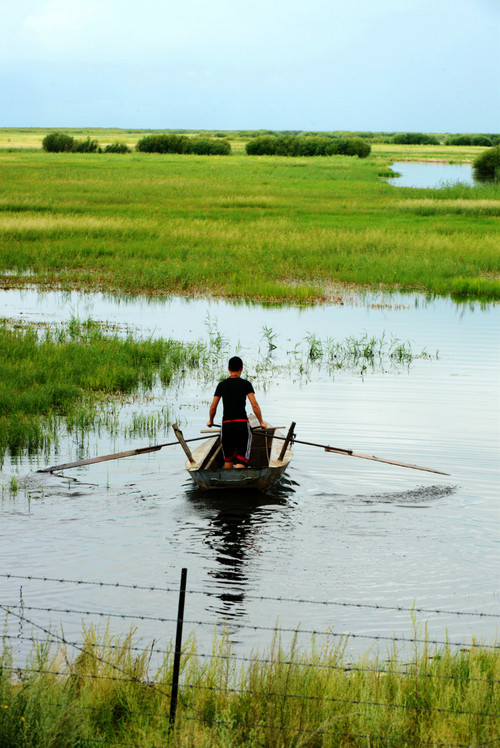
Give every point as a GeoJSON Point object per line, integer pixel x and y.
{"type": "Point", "coordinates": [236, 434]}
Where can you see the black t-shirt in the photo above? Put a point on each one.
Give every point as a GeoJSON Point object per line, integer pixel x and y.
{"type": "Point", "coordinates": [234, 391]}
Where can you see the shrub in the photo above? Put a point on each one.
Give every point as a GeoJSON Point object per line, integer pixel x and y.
{"type": "Point", "coordinates": [469, 140]}
{"type": "Point", "coordinates": [85, 146]}
{"type": "Point", "coordinates": [117, 148]}
{"type": "Point", "coordinates": [208, 147]}
{"type": "Point", "coordinates": [183, 144]}
{"type": "Point", "coordinates": [262, 145]}
{"type": "Point", "coordinates": [487, 165]}
{"type": "Point", "coordinates": [291, 145]}
{"type": "Point", "coordinates": [353, 147]}
{"type": "Point", "coordinates": [313, 145]}
{"type": "Point", "coordinates": [414, 138]}
{"type": "Point", "coordinates": [57, 142]}
{"type": "Point", "coordinates": [162, 144]}
{"type": "Point", "coordinates": [287, 145]}
{"type": "Point", "coordinates": [349, 147]}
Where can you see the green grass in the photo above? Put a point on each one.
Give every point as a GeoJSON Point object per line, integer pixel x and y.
{"type": "Point", "coordinates": [70, 373]}
{"type": "Point", "coordinates": [256, 228]}
{"type": "Point", "coordinates": [285, 696]}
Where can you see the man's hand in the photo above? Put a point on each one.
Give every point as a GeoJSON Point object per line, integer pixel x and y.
{"type": "Point", "coordinates": [212, 411]}
{"type": "Point", "coordinates": [263, 425]}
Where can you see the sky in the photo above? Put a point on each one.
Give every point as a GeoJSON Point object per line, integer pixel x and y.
{"type": "Point", "coordinates": [376, 65]}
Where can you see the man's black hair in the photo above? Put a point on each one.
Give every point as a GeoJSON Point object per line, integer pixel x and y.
{"type": "Point", "coordinates": [235, 364]}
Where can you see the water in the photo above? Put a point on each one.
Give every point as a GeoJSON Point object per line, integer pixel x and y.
{"type": "Point", "coordinates": [432, 175]}
{"type": "Point", "coordinates": [348, 531]}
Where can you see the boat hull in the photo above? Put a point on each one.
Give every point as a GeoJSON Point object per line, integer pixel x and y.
{"type": "Point", "coordinates": [265, 469]}
{"type": "Point", "coordinates": [259, 478]}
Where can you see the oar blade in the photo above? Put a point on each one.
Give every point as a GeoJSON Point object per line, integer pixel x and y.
{"type": "Point", "coordinates": [102, 458]}
{"type": "Point", "coordinates": [383, 459]}
{"type": "Point", "coordinates": [115, 456]}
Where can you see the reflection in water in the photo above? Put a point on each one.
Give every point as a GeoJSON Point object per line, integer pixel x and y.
{"type": "Point", "coordinates": [233, 522]}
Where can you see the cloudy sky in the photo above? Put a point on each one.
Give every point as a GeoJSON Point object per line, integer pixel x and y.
{"type": "Point", "coordinates": [391, 65]}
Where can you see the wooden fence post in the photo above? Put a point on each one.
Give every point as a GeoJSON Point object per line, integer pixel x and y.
{"type": "Point", "coordinates": [178, 645]}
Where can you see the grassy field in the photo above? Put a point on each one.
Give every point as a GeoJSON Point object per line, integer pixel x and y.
{"type": "Point", "coordinates": [268, 228]}
{"type": "Point", "coordinates": [280, 697]}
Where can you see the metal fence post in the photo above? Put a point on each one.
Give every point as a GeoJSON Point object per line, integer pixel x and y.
{"type": "Point", "coordinates": [177, 651]}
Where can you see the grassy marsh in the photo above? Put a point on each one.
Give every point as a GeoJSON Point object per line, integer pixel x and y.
{"type": "Point", "coordinates": [294, 696]}
{"type": "Point", "coordinates": [143, 223]}
{"type": "Point", "coordinates": [73, 372]}
{"type": "Point", "coordinates": [78, 377]}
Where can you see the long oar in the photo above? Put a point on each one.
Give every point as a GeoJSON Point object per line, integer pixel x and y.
{"type": "Point", "coordinates": [350, 453]}
{"type": "Point", "coordinates": [116, 456]}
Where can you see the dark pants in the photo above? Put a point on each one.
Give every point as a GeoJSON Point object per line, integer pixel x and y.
{"type": "Point", "coordinates": [236, 437]}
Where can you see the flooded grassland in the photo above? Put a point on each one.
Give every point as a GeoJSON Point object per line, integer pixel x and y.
{"type": "Point", "coordinates": [343, 544]}
{"type": "Point", "coordinates": [157, 224]}
{"type": "Point", "coordinates": [401, 377]}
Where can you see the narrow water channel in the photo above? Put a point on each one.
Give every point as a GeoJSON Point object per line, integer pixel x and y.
{"type": "Point", "coordinates": [348, 531]}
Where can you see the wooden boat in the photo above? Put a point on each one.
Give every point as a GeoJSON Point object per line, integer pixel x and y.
{"type": "Point", "coordinates": [269, 458]}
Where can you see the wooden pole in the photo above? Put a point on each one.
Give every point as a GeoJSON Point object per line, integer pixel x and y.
{"type": "Point", "coordinates": [116, 455]}
{"type": "Point", "coordinates": [287, 441]}
{"type": "Point", "coordinates": [350, 453]}
{"type": "Point", "coordinates": [182, 442]}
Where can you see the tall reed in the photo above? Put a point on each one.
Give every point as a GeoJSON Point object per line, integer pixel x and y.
{"type": "Point", "coordinates": [293, 695]}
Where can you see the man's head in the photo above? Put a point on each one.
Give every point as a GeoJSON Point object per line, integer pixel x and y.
{"type": "Point", "coordinates": [235, 364]}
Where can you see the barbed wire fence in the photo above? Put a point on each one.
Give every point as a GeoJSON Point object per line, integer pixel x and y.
{"type": "Point", "coordinates": [25, 614]}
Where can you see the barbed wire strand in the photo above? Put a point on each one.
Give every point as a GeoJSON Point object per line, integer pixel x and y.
{"type": "Point", "coordinates": [67, 674]}
{"type": "Point", "coordinates": [348, 667]}
{"type": "Point", "coordinates": [277, 629]}
{"type": "Point", "coordinates": [252, 692]}
{"type": "Point", "coordinates": [219, 689]}
{"type": "Point", "coordinates": [64, 641]}
{"type": "Point", "coordinates": [153, 588]}
{"type": "Point", "coordinates": [345, 734]}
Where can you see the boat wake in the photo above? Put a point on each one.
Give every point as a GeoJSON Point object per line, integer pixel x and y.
{"type": "Point", "coordinates": [419, 495]}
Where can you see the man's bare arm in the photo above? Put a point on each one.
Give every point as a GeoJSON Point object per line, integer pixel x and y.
{"type": "Point", "coordinates": [213, 411]}
{"type": "Point", "coordinates": [256, 410]}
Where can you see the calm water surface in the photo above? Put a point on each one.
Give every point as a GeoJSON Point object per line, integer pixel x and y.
{"type": "Point", "coordinates": [432, 175]}
{"type": "Point", "coordinates": [343, 530]}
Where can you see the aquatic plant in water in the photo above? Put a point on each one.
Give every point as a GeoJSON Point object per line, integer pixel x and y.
{"type": "Point", "coordinates": [67, 377]}
{"type": "Point", "coordinates": [375, 352]}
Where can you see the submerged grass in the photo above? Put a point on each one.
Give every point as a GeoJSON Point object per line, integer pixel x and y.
{"type": "Point", "coordinates": [71, 373]}
{"type": "Point", "coordinates": [256, 228]}
{"type": "Point", "coordinates": [77, 377]}
{"type": "Point", "coordinates": [284, 696]}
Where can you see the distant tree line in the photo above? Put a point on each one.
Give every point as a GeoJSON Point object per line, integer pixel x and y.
{"type": "Point", "coordinates": [404, 138]}
{"type": "Point", "coordinates": [295, 145]}
{"type": "Point", "coordinates": [486, 140]}
{"type": "Point", "coordinates": [266, 142]}
{"type": "Point", "coordinates": [60, 142]}
{"type": "Point", "coordinates": [415, 138]}
{"type": "Point", "coordinates": [420, 138]}
{"type": "Point", "coordinates": [183, 144]}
